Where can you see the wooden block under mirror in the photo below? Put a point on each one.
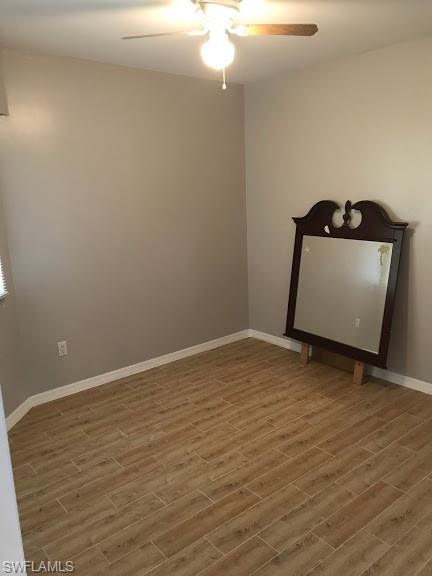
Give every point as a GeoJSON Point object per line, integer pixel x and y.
{"type": "Point", "coordinates": [305, 354]}
{"type": "Point", "coordinates": [357, 369]}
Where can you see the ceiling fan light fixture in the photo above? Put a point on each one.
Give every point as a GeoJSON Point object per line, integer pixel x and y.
{"type": "Point", "coordinates": [220, 19]}
{"type": "Point", "coordinates": [218, 52]}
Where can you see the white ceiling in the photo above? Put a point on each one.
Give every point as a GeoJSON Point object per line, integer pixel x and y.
{"type": "Point", "coordinates": [91, 29]}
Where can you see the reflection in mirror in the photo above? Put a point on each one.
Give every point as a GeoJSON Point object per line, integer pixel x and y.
{"type": "Point", "coordinates": [342, 290]}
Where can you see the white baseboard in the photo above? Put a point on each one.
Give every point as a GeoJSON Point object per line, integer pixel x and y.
{"type": "Point", "coordinates": [100, 379]}
{"type": "Point", "coordinates": [18, 413]}
{"type": "Point", "coordinates": [277, 340]}
{"type": "Point", "coordinates": [407, 381]}
{"type": "Point", "coordinates": [388, 375]}
{"type": "Point", "coordinates": [107, 377]}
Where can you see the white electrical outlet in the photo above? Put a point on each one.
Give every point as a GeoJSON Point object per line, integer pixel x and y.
{"type": "Point", "coordinates": [62, 348]}
{"type": "Point", "coordinates": [357, 323]}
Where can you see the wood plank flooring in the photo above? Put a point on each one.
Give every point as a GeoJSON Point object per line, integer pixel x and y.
{"type": "Point", "coordinates": [235, 462]}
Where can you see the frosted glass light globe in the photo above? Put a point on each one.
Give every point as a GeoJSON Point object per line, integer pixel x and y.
{"type": "Point", "coordinates": [218, 52]}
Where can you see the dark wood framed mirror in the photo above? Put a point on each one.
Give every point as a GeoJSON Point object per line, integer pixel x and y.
{"type": "Point", "coordinates": [344, 278]}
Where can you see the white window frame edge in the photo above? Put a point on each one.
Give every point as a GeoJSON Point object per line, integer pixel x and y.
{"type": "Point", "coordinates": [3, 287]}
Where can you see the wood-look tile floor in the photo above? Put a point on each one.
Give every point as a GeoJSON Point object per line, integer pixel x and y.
{"type": "Point", "coordinates": [234, 462]}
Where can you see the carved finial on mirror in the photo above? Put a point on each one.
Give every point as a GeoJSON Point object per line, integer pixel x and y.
{"type": "Point", "coordinates": [347, 216]}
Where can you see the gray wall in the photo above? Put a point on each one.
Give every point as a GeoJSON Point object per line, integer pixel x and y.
{"type": "Point", "coordinates": [359, 128]}
{"type": "Point", "coordinates": [125, 206]}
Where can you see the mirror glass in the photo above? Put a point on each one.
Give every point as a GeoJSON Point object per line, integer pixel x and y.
{"type": "Point", "coordinates": [342, 290]}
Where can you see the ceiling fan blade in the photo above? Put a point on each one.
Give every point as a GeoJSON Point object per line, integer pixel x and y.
{"type": "Point", "coordinates": [281, 29]}
{"type": "Point", "coordinates": [139, 36]}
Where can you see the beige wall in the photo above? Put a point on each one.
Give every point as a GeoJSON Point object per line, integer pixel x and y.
{"type": "Point", "coordinates": [359, 128]}
{"type": "Point", "coordinates": [125, 207]}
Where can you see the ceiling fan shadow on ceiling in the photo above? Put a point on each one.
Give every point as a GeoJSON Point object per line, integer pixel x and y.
{"type": "Point", "coordinates": [218, 20]}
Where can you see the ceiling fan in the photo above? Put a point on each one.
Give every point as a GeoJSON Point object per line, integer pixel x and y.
{"type": "Point", "coordinates": [218, 19]}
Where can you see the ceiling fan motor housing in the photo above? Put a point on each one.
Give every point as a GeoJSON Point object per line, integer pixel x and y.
{"type": "Point", "coordinates": [219, 15]}
{"type": "Point", "coordinates": [234, 4]}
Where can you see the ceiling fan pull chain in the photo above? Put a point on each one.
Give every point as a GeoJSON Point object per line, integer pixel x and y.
{"type": "Point", "coordinates": [223, 79]}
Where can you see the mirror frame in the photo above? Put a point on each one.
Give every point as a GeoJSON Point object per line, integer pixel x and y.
{"type": "Point", "coordinates": [375, 226]}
